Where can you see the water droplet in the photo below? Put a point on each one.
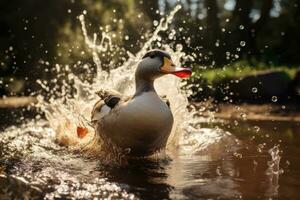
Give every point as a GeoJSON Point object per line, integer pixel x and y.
{"type": "Point", "coordinates": [256, 128]}
{"type": "Point", "coordinates": [126, 37]}
{"type": "Point", "coordinates": [254, 90]}
{"type": "Point", "coordinates": [243, 116]}
{"type": "Point", "coordinates": [236, 122]}
{"type": "Point", "coordinates": [242, 43]}
{"type": "Point", "coordinates": [218, 171]}
{"type": "Point", "coordinates": [238, 155]}
{"type": "Point", "coordinates": [274, 98]}
{"type": "Point", "coordinates": [202, 108]}
{"type": "Point", "coordinates": [179, 47]}
{"type": "Point", "coordinates": [155, 22]}
{"type": "Point", "coordinates": [241, 27]}
{"type": "Point", "coordinates": [201, 28]}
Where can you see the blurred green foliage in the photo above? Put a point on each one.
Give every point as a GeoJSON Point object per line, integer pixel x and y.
{"type": "Point", "coordinates": [36, 36]}
{"type": "Point", "coordinates": [240, 69]}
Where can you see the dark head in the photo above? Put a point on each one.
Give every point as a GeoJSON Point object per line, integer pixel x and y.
{"type": "Point", "coordinates": [157, 63]}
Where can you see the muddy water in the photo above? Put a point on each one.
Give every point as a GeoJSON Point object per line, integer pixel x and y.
{"type": "Point", "coordinates": [234, 162]}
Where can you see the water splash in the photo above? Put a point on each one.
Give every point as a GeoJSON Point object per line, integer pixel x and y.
{"type": "Point", "coordinates": [274, 171]}
{"type": "Point", "coordinates": [41, 169]}
{"type": "Point", "coordinates": [65, 114]}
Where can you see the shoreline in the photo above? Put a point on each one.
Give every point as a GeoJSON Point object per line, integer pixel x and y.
{"type": "Point", "coordinates": [229, 111]}
{"type": "Point", "coordinates": [250, 112]}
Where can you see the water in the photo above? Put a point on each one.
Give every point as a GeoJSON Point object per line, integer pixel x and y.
{"type": "Point", "coordinates": [204, 158]}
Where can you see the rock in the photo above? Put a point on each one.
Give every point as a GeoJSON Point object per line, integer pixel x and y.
{"type": "Point", "coordinates": [261, 86]}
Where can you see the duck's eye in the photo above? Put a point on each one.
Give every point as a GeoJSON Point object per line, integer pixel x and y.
{"type": "Point", "coordinates": [152, 56]}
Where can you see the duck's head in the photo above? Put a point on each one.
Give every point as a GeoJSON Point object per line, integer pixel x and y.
{"type": "Point", "coordinates": [157, 63]}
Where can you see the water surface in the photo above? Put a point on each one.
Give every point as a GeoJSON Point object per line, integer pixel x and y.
{"type": "Point", "coordinates": [229, 165]}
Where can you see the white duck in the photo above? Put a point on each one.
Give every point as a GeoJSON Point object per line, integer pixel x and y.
{"type": "Point", "coordinates": [142, 122]}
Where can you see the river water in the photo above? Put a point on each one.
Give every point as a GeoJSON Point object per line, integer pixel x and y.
{"type": "Point", "coordinates": [205, 158]}
{"type": "Point", "coordinates": [230, 165]}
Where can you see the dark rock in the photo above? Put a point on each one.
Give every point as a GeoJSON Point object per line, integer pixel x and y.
{"type": "Point", "coordinates": [261, 87]}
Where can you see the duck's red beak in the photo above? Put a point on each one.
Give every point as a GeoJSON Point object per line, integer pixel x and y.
{"type": "Point", "coordinates": [170, 68]}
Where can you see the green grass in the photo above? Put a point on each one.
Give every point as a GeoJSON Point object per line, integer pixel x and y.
{"type": "Point", "coordinates": [238, 70]}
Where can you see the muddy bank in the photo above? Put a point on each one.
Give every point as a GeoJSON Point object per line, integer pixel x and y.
{"type": "Point", "coordinates": [252, 112]}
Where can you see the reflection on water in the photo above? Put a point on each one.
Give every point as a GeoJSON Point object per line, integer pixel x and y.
{"type": "Point", "coordinates": [234, 166]}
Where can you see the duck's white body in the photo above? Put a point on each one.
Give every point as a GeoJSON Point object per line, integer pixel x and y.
{"type": "Point", "coordinates": [141, 124]}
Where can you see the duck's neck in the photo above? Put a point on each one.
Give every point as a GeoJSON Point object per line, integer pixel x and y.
{"type": "Point", "coordinates": [142, 85]}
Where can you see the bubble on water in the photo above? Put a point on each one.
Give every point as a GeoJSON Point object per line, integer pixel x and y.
{"type": "Point", "coordinates": [241, 27]}
{"type": "Point", "coordinates": [254, 90]}
{"type": "Point", "coordinates": [242, 43]}
{"type": "Point", "coordinates": [126, 37]}
{"type": "Point", "coordinates": [274, 99]}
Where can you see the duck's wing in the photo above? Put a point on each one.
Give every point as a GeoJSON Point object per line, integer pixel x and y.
{"type": "Point", "coordinates": [111, 98]}
{"type": "Point", "coordinates": [109, 101]}
{"type": "Point", "coordinates": [165, 99]}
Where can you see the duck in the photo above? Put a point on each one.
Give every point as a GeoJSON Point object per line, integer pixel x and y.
{"type": "Point", "coordinates": [140, 123]}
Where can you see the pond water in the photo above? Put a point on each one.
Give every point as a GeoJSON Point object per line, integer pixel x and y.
{"type": "Point", "coordinates": [230, 165]}
{"type": "Point", "coordinates": [206, 158]}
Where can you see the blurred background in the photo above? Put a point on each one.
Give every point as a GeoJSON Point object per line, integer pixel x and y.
{"type": "Point", "coordinates": [241, 50]}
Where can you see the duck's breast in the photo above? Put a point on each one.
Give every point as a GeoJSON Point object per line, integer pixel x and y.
{"type": "Point", "coordinates": [146, 111]}
{"type": "Point", "coordinates": [143, 121]}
